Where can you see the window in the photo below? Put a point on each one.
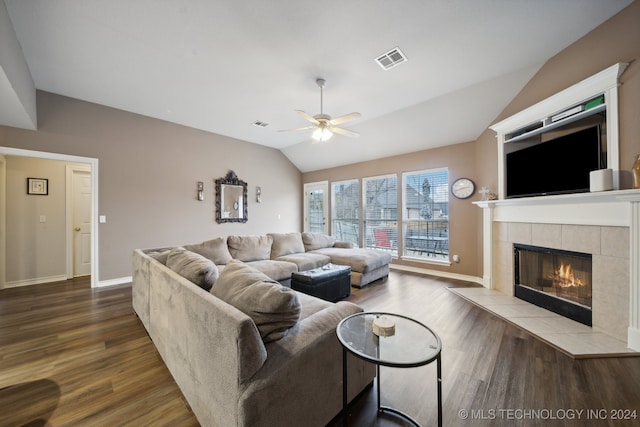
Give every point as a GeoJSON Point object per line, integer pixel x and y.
{"type": "Point", "coordinates": [316, 199]}
{"type": "Point", "coordinates": [345, 211]}
{"type": "Point", "coordinates": [380, 204]}
{"type": "Point", "coordinates": [426, 214]}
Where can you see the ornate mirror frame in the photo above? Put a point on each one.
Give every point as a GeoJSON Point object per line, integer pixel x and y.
{"type": "Point", "coordinates": [231, 199]}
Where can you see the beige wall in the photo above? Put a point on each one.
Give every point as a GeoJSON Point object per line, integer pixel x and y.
{"type": "Point", "coordinates": [35, 249]}
{"type": "Point", "coordinates": [148, 170]}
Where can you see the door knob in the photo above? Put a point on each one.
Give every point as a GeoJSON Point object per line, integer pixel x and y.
{"type": "Point", "coordinates": [77, 228]}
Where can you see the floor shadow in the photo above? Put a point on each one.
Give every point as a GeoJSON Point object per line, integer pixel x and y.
{"type": "Point", "coordinates": [29, 404]}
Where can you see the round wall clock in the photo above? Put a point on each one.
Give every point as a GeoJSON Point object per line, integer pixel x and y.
{"type": "Point", "coordinates": [463, 188]}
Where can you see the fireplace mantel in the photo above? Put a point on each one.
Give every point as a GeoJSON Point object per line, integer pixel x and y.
{"type": "Point", "coordinates": [619, 208]}
{"type": "Point", "coordinates": [609, 208]}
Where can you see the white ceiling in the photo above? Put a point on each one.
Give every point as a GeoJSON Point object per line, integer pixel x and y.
{"type": "Point", "coordinates": [221, 65]}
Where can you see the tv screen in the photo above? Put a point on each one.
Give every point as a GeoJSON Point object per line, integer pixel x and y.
{"type": "Point", "coordinates": [557, 166]}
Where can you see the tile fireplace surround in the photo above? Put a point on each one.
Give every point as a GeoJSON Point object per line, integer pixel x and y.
{"type": "Point", "coordinates": [605, 224]}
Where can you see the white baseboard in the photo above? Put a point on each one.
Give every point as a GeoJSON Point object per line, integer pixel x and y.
{"type": "Point", "coordinates": [438, 273]}
{"type": "Point", "coordinates": [62, 278]}
{"type": "Point", "coordinates": [35, 281]}
{"type": "Point", "coordinates": [633, 339]}
{"type": "Point", "coordinates": [113, 282]}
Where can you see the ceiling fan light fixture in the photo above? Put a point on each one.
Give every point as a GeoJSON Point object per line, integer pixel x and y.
{"type": "Point", "coordinates": [322, 124]}
{"type": "Point", "coordinates": [321, 134]}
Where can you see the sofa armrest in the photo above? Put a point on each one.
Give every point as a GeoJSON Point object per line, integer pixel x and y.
{"type": "Point", "coordinates": [306, 363]}
{"type": "Point", "coordinates": [209, 346]}
{"type": "Point", "coordinates": [140, 286]}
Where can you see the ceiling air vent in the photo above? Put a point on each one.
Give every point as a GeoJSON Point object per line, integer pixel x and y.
{"type": "Point", "coordinates": [260, 123]}
{"type": "Point", "coordinates": [391, 59]}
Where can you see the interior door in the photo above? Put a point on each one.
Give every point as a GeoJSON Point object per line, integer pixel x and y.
{"type": "Point", "coordinates": [316, 205]}
{"type": "Point", "coordinates": [81, 190]}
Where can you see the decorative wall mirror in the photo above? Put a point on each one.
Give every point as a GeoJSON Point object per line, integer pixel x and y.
{"type": "Point", "coordinates": [231, 199]}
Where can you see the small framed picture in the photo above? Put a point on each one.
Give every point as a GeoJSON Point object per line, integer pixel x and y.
{"type": "Point", "coordinates": [38, 186]}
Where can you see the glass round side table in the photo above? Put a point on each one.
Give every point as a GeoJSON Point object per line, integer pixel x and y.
{"type": "Point", "coordinates": [413, 344]}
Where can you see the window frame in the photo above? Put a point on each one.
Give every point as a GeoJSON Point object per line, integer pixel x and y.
{"type": "Point", "coordinates": [352, 226]}
{"type": "Point", "coordinates": [387, 241]}
{"type": "Point", "coordinates": [434, 246]}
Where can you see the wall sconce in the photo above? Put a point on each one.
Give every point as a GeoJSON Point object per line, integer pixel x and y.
{"type": "Point", "coordinates": [258, 195]}
{"type": "Point", "coordinates": [200, 190]}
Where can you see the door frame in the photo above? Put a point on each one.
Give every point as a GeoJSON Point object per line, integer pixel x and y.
{"type": "Point", "coordinates": [93, 163]}
{"type": "Point", "coordinates": [3, 220]}
{"type": "Point", "coordinates": [70, 169]}
{"type": "Point", "coordinates": [310, 186]}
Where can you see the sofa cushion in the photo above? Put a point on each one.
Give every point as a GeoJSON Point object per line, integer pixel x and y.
{"type": "Point", "coordinates": [311, 305]}
{"type": "Point", "coordinates": [313, 241]}
{"type": "Point", "coordinates": [272, 307]}
{"type": "Point", "coordinates": [307, 260]}
{"type": "Point", "coordinates": [215, 249]}
{"type": "Point", "coordinates": [359, 259]}
{"type": "Point", "coordinates": [192, 266]}
{"type": "Point", "coordinates": [286, 244]}
{"type": "Point", "coordinates": [249, 248]}
{"type": "Point", "coordinates": [276, 270]}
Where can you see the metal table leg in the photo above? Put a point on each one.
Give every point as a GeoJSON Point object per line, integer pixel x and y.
{"type": "Point", "coordinates": [439, 372]}
{"type": "Point", "coordinates": [345, 415]}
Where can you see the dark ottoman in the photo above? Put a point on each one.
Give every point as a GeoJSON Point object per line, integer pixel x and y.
{"type": "Point", "coordinates": [331, 282]}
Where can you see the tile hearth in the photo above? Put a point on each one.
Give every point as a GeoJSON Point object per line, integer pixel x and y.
{"type": "Point", "coordinates": [572, 338]}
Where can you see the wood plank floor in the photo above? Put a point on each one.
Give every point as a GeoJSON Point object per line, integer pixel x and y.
{"type": "Point", "coordinates": [75, 356]}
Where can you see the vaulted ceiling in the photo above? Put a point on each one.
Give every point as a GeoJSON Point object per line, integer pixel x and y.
{"type": "Point", "coordinates": [222, 65]}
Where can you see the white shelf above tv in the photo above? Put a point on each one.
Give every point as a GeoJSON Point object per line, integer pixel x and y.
{"type": "Point", "coordinates": [547, 125]}
{"type": "Point", "coordinates": [603, 83]}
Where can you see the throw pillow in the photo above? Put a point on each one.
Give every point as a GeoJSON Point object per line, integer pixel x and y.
{"type": "Point", "coordinates": [313, 241]}
{"type": "Point", "coordinates": [249, 248]}
{"type": "Point", "coordinates": [273, 308]}
{"type": "Point", "coordinates": [286, 244]}
{"type": "Point", "coordinates": [215, 249]}
{"type": "Point", "coordinates": [192, 266]}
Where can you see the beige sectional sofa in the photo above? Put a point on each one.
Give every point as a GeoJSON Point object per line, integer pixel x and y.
{"type": "Point", "coordinates": [250, 352]}
{"type": "Point", "coordinates": [278, 255]}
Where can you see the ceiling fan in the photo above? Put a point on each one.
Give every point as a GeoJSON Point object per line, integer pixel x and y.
{"type": "Point", "coordinates": [323, 125]}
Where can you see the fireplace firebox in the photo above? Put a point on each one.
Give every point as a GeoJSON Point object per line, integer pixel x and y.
{"type": "Point", "coordinates": [554, 279]}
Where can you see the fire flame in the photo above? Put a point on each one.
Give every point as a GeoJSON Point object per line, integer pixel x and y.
{"type": "Point", "coordinates": [566, 277]}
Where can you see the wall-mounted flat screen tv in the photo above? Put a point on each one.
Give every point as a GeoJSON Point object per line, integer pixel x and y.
{"type": "Point", "coordinates": [557, 166]}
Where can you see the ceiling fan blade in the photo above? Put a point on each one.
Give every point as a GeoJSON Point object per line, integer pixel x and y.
{"type": "Point", "coordinates": [307, 117]}
{"type": "Point", "coordinates": [296, 129]}
{"type": "Point", "coordinates": [345, 132]}
{"type": "Point", "coordinates": [345, 118]}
